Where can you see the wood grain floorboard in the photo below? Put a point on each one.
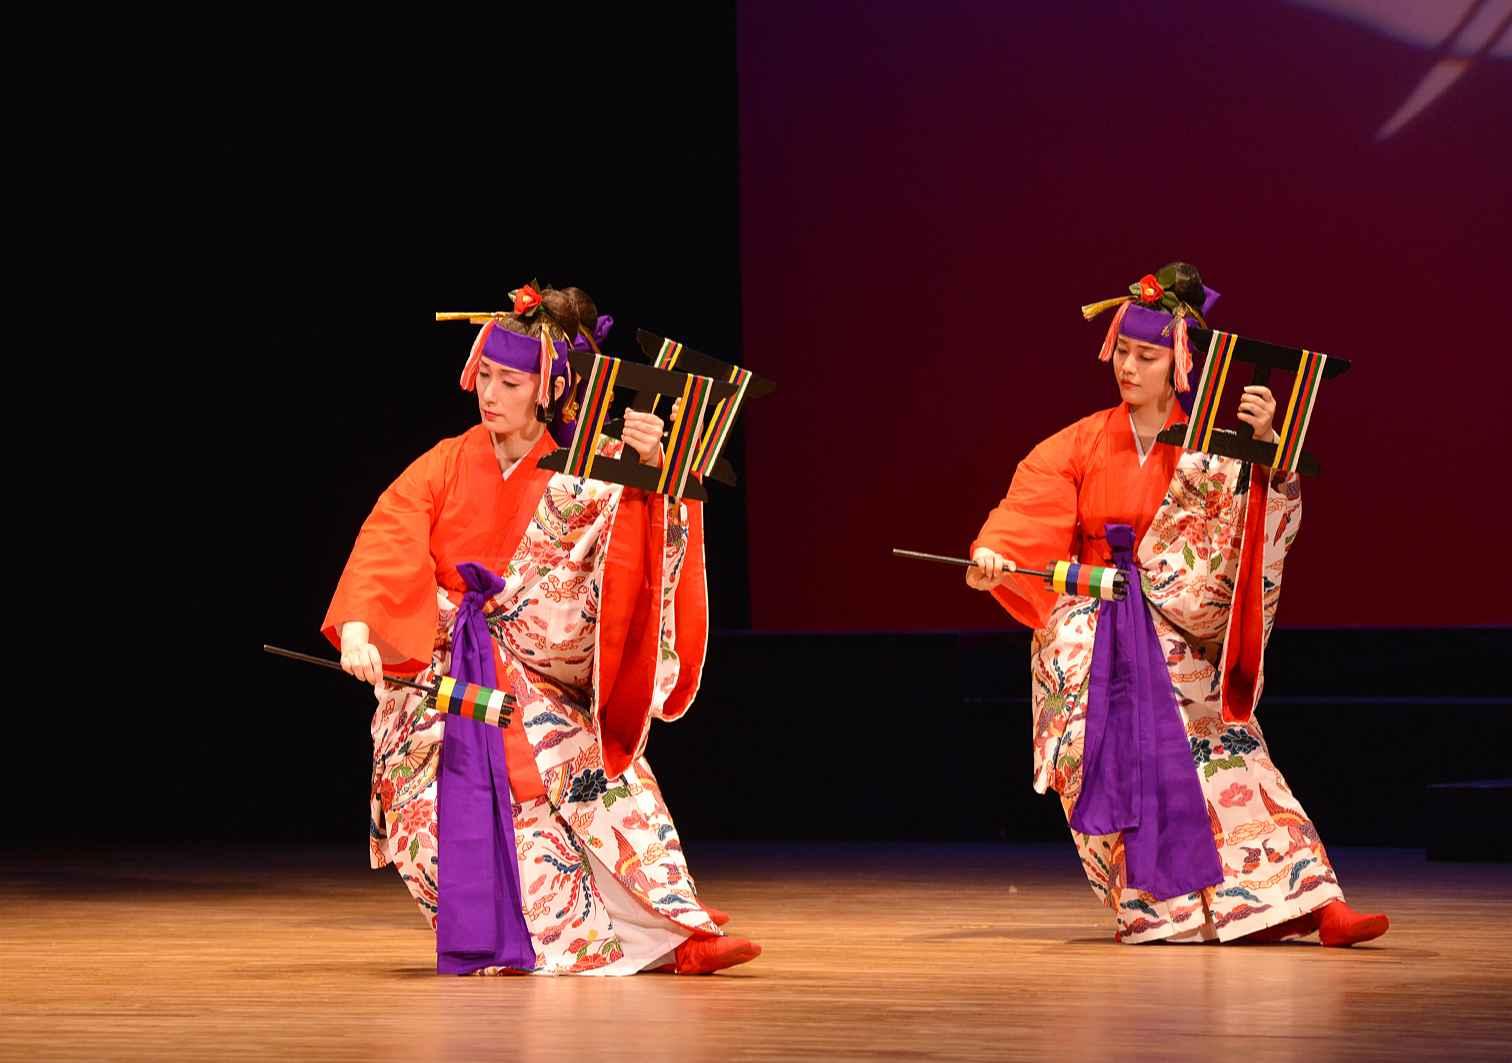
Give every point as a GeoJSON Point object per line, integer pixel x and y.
{"type": "Point", "coordinates": [872, 952]}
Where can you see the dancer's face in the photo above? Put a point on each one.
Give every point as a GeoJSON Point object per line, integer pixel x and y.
{"type": "Point", "coordinates": [506, 398]}
{"type": "Point", "coordinates": [1143, 370]}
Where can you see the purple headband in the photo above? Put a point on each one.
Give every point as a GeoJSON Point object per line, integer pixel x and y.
{"type": "Point", "coordinates": [515, 351]}
{"type": "Point", "coordinates": [523, 353]}
{"type": "Point", "coordinates": [1154, 326]}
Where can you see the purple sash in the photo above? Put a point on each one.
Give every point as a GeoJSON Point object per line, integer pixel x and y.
{"type": "Point", "coordinates": [479, 922]}
{"type": "Point", "coordinates": [1137, 772]}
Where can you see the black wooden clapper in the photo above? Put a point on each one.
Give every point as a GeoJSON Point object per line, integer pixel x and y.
{"type": "Point", "coordinates": [1223, 350]}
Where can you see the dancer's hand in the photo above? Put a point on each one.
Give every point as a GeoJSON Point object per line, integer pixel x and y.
{"type": "Point", "coordinates": [359, 657]}
{"type": "Point", "coordinates": [1257, 408]}
{"type": "Point", "coordinates": [988, 569]}
{"type": "Point", "coordinates": [643, 431]}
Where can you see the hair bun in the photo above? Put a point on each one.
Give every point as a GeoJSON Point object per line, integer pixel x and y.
{"type": "Point", "coordinates": [583, 308]}
{"type": "Point", "coordinates": [567, 310]}
{"type": "Point", "coordinates": [563, 309]}
{"type": "Point", "coordinates": [1186, 282]}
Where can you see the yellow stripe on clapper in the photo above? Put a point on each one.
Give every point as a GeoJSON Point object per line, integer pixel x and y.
{"type": "Point", "coordinates": [682, 412]}
{"type": "Point", "coordinates": [1228, 358]}
{"type": "Point", "coordinates": [1298, 386]}
{"type": "Point", "coordinates": [598, 426]}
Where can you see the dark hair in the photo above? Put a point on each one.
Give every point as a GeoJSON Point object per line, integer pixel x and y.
{"type": "Point", "coordinates": [1187, 283]}
{"type": "Point", "coordinates": [566, 310]}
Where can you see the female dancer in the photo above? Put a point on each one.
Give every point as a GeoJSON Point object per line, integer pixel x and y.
{"type": "Point", "coordinates": [545, 846]}
{"type": "Point", "coordinates": [1143, 708]}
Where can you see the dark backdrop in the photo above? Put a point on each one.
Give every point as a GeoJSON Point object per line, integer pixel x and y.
{"type": "Point", "coordinates": [928, 194]}
{"type": "Point", "coordinates": [307, 214]}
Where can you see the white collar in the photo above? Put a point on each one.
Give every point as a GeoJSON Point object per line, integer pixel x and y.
{"type": "Point", "coordinates": [1138, 446]}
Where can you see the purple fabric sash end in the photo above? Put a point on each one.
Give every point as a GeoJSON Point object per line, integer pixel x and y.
{"type": "Point", "coordinates": [479, 922]}
{"type": "Point", "coordinates": [1137, 772]}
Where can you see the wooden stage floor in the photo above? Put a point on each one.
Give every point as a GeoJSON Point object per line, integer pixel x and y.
{"type": "Point", "coordinates": [872, 952]}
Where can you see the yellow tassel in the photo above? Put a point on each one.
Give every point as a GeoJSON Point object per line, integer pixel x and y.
{"type": "Point", "coordinates": [1091, 310]}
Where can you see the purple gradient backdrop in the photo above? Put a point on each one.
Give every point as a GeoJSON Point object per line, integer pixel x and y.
{"type": "Point", "coordinates": [929, 193]}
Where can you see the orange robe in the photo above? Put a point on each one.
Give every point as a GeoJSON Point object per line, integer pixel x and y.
{"type": "Point", "coordinates": [453, 505]}
{"type": "Point", "coordinates": [1085, 477]}
{"type": "Point", "coordinates": [1064, 493]}
{"type": "Point", "coordinates": [600, 628]}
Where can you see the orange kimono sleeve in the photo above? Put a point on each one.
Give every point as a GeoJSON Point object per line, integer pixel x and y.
{"type": "Point", "coordinates": [1244, 644]}
{"type": "Point", "coordinates": [1035, 524]}
{"type": "Point", "coordinates": [691, 612]}
{"type": "Point", "coordinates": [389, 582]}
{"type": "Point", "coordinates": [629, 626]}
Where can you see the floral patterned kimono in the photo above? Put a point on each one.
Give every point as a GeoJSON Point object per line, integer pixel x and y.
{"type": "Point", "coordinates": [598, 617]}
{"type": "Point", "coordinates": [1210, 536]}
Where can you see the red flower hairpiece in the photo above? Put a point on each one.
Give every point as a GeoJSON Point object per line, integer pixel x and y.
{"type": "Point", "coordinates": [526, 300]}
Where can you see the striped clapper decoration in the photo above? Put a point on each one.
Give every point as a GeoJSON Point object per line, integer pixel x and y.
{"type": "Point", "coordinates": [1085, 581]}
{"type": "Point", "coordinates": [666, 358]}
{"type": "Point", "coordinates": [1299, 410]}
{"type": "Point", "coordinates": [713, 440]}
{"type": "Point", "coordinates": [484, 704]}
{"type": "Point", "coordinates": [718, 432]}
{"type": "Point", "coordinates": [683, 439]}
{"type": "Point", "coordinates": [1220, 354]}
{"type": "Point", "coordinates": [735, 387]}
{"type": "Point", "coordinates": [598, 394]}
{"type": "Point", "coordinates": [671, 476]}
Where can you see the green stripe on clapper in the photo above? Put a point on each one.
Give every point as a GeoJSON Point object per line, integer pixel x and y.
{"type": "Point", "coordinates": [1299, 409]}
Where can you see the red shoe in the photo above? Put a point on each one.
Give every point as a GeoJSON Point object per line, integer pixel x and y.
{"type": "Point", "coordinates": [1340, 926]}
{"type": "Point", "coordinates": [720, 918]}
{"type": "Point", "coordinates": [1301, 926]}
{"type": "Point", "coordinates": [707, 955]}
